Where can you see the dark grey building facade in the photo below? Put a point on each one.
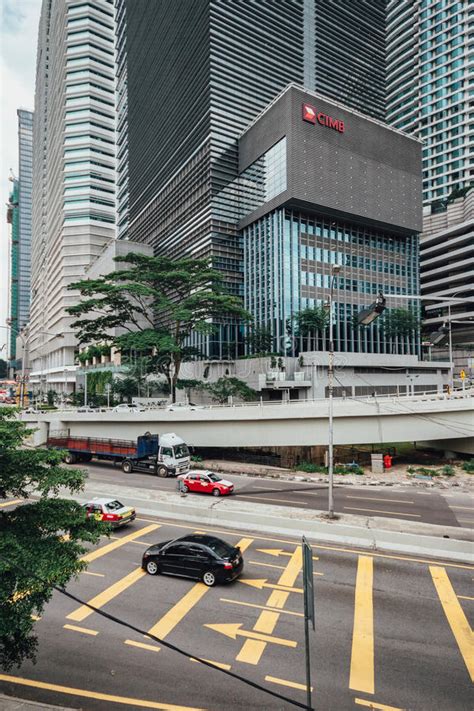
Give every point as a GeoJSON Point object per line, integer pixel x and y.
{"type": "Point", "coordinates": [192, 75]}
{"type": "Point", "coordinates": [321, 185]}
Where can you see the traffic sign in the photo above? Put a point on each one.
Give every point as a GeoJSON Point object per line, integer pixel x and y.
{"type": "Point", "coordinates": [462, 374]}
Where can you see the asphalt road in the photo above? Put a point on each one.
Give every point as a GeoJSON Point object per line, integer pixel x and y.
{"type": "Point", "coordinates": [391, 632]}
{"type": "Point", "coordinates": [449, 509]}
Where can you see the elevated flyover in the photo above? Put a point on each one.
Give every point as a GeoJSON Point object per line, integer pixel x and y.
{"type": "Point", "coordinates": [431, 418]}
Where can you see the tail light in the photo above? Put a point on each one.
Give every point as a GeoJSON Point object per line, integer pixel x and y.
{"type": "Point", "coordinates": [228, 566]}
{"type": "Point", "coordinates": [111, 517]}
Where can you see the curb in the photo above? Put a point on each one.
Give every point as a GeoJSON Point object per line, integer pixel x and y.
{"type": "Point", "coordinates": [12, 703]}
{"type": "Point", "coordinates": [372, 533]}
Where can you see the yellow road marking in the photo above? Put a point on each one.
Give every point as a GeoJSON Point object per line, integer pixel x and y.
{"type": "Point", "coordinates": [458, 622]}
{"type": "Point", "coordinates": [142, 645]}
{"type": "Point", "coordinates": [220, 665]}
{"type": "Point", "coordinates": [278, 599]}
{"type": "Point", "coordinates": [85, 693]}
{"type": "Point", "coordinates": [284, 682]}
{"type": "Point", "coordinates": [272, 565]}
{"type": "Point", "coordinates": [465, 597]}
{"type": "Point", "coordinates": [98, 575]}
{"type": "Point", "coordinates": [84, 630]}
{"type": "Point", "coordinates": [392, 513]}
{"type": "Point", "coordinates": [93, 555]}
{"type": "Point", "coordinates": [362, 656]}
{"type": "Point", "coordinates": [10, 503]}
{"type": "Point", "coordinates": [377, 707]}
{"type": "Point", "coordinates": [292, 570]}
{"type": "Point", "coordinates": [174, 616]}
{"type": "Point", "coordinates": [107, 595]}
{"type": "Point", "coordinates": [36, 618]}
{"type": "Point", "coordinates": [233, 631]}
{"type": "Point", "coordinates": [261, 607]}
{"type": "Point", "coordinates": [267, 498]}
{"type": "Point", "coordinates": [276, 552]}
{"type": "Point", "coordinates": [374, 498]}
{"type": "Point", "coordinates": [335, 549]}
{"type": "Point", "coordinates": [260, 584]}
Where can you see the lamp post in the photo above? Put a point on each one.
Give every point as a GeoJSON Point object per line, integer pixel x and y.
{"type": "Point", "coordinates": [336, 268]}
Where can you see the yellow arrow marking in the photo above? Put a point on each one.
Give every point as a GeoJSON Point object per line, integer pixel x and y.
{"type": "Point", "coordinates": [458, 622]}
{"type": "Point", "coordinates": [279, 551]}
{"type": "Point", "coordinates": [233, 630]}
{"type": "Point", "coordinates": [262, 583]}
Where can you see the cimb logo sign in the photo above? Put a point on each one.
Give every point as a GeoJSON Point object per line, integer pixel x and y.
{"type": "Point", "coordinates": [312, 115]}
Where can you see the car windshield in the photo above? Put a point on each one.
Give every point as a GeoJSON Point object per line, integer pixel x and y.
{"type": "Point", "coordinates": [181, 451]}
{"type": "Point", "coordinates": [223, 550]}
{"type": "Point", "coordinates": [214, 477]}
{"type": "Point", "coordinates": [113, 505]}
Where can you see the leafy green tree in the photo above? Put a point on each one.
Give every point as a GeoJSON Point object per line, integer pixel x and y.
{"type": "Point", "coordinates": [159, 302]}
{"type": "Point", "coordinates": [225, 387]}
{"type": "Point", "coordinates": [400, 322]}
{"type": "Point", "coordinates": [259, 340]}
{"type": "Point", "coordinates": [309, 322]}
{"type": "Point", "coordinates": [40, 541]}
{"type": "Point", "coordinates": [52, 397]}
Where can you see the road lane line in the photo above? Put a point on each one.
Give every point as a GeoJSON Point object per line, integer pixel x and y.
{"type": "Point", "coordinates": [267, 498]}
{"type": "Point", "coordinates": [106, 595]}
{"type": "Point", "coordinates": [84, 630]}
{"type": "Point", "coordinates": [272, 565]}
{"type": "Point", "coordinates": [463, 634]}
{"type": "Point", "coordinates": [335, 549]}
{"type": "Point", "coordinates": [142, 645]}
{"type": "Point", "coordinates": [375, 498]}
{"type": "Point", "coordinates": [377, 707]}
{"type": "Point", "coordinates": [464, 597]}
{"type": "Point", "coordinates": [220, 665]}
{"type": "Point", "coordinates": [173, 617]}
{"type": "Point", "coordinates": [97, 575]}
{"type": "Point", "coordinates": [261, 607]}
{"type": "Point", "coordinates": [284, 682]}
{"type": "Point", "coordinates": [465, 508]}
{"type": "Point", "coordinates": [93, 555]}
{"type": "Point", "coordinates": [362, 655]}
{"type": "Point", "coordinates": [85, 693]}
{"type": "Point", "coordinates": [10, 503]}
{"type": "Point", "coordinates": [392, 513]}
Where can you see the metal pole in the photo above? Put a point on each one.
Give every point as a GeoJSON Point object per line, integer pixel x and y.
{"type": "Point", "coordinates": [451, 364]}
{"type": "Point", "coordinates": [23, 359]}
{"type": "Point", "coordinates": [85, 389]}
{"type": "Point", "coordinates": [331, 425]}
{"type": "Point", "coordinates": [308, 663]}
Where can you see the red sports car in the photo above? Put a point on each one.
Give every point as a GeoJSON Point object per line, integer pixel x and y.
{"type": "Point", "coordinates": [206, 483]}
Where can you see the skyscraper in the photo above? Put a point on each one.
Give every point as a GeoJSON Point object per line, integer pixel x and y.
{"type": "Point", "coordinates": [13, 271]}
{"type": "Point", "coordinates": [192, 75]}
{"type": "Point", "coordinates": [73, 172]}
{"type": "Point", "coordinates": [25, 182]}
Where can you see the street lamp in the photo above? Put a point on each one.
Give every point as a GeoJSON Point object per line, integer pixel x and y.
{"type": "Point", "coordinates": [368, 315]}
{"type": "Point", "coordinates": [335, 270]}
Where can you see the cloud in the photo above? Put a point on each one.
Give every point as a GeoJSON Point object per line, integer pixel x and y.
{"type": "Point", "coordinates": [18, 40]}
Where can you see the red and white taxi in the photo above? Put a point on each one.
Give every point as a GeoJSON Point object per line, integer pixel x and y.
{"type": "Point", "coordinates": [205, 482]}
{"type": "Point", "coordinates": [110, 511]}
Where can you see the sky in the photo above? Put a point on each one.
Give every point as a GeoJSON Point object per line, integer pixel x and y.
{"type": "Point", "coordinates": [18, 38]}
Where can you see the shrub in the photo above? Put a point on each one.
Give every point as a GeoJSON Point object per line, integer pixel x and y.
{"type": "Point", "coordinates": [469, 466]}
{"type": "Point", "coordinates": [311, 468]}
{"type": "Point", "coordinates": [196, 458]}
{"type": "Point", "coordinates": [448, 470]}
{"type": "Point", "coordinates": [427, 472]}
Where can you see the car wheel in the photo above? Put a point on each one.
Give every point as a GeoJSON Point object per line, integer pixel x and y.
{"type": "Point", "coordinates": [209, 578]}
{"type": "Point", "coordinates": [216, 492]}
{"type": "Point", "coordinates": [152, 567]}
{"type": "Point", "coordinates": [127, 467]}
{"type": "Point", "coordinates": [162, 471]}
{"type": "Point", "coordinates": [70, 458]}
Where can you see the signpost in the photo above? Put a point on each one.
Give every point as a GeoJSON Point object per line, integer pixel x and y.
{"type": "Point", "coordinates": [308, 593]}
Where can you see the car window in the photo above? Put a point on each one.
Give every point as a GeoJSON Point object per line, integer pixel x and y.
{"type": "Point", "coordinates": [113, 505]}
{"type": "Point", "coordinates": [177, 549]}
{"type": "Point", "coordinates": [193, 477]}
{"type": "Point", "coordinates": [196, 552]}
{"type": "Point", "coordinates": [221, 549]}
{"type": "Point", "coordinates": [204, 479]}
{"type": "Point", "coordinates": [215, 477]}
{"type": "Point", "coordinates": [167, 451]}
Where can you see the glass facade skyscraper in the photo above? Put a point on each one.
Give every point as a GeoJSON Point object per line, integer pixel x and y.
{"type": "Point", "coordinates": [429, 82]}
{"type": "Point", "coordinates": [25, 184]}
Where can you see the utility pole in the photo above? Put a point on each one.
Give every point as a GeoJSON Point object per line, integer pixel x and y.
{"type": "Point", "coordinates": [335, 271]}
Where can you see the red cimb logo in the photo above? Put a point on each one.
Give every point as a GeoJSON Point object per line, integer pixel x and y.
{"type": "Point", "coordinates": [309, 113]}
{"type": "Point", "coordinates": [312, 115]}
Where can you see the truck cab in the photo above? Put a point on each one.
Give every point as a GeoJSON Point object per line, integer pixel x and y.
{"type": "Point", "coordinates": [171, 458]}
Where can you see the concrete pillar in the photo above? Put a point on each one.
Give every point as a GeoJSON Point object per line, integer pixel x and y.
{"type": "Point", "coordinates": [40, 434]}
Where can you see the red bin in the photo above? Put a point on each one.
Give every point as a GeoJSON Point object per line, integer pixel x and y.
{"type": "Point", "coordinates": [387, 461]}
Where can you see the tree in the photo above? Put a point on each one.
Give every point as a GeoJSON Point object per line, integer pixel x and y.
{"type": "Point", "coordinates": [259, 340]}
{"type": "Point", "coordinates": [52, 397]}
{"type": "Point", "coordinates": [309, 322]}
{"type": "Point", "coordinates": [400, 322]}
{"type": "Point", "coordinates": [3, 368]}
{"type": "Point", "coordinates": [226, 387]}
{"type": "Point", "coordinates": [40, 542]}
{"type": "Point", "coordinates": [159, 302]}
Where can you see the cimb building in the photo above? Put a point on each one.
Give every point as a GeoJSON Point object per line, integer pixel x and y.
{"type": "Point", "coordinates": [192, 74]}
{"type": "Point", "coordinates": [73, 174]}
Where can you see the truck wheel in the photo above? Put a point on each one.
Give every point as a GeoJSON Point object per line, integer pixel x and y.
{"type": "Point", "coordinates": [127, 467]}
{"type": "Point", "coordinates": [70, 458]}
{"type": "Point", "coordinates": [162, 471]}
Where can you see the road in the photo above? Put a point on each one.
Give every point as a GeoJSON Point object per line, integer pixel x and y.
{"type": "Point", "coordinates": [392, 632]}
{"type": "Point", "coordinates": [449, 509]}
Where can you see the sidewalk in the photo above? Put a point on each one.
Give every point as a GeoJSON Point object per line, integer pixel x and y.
{"type": "Point", "coordinates": [11, 703]}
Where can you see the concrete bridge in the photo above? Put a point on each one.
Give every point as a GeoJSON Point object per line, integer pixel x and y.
{"type": "Point", "coordinates": [443, 421]}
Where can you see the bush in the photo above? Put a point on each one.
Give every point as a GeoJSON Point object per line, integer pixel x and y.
{"type": "Point", "coordinates": [448, 470]}
{"type": "Point", "coordinates": [311, 468]}
{"type": "Point", "coordinates": [469, 466]}
{"type": "Point", "coordinates": [196, 458]}
{"type": "Point", "coordinates": [348, 469]}
{"type": "Point", "coordinates": [426, 472]}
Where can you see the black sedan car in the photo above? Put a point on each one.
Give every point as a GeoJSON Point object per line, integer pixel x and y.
{"type": "Point", "coordinates": [206, 558]}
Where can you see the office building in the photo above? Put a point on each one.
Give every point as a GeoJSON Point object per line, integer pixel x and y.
{"type": "Point", "coordinates": [192, 75]}
{"type": "Point", "coordinates": [73, 174]}
{"type": "Point", "coordinates": [13, 221]}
